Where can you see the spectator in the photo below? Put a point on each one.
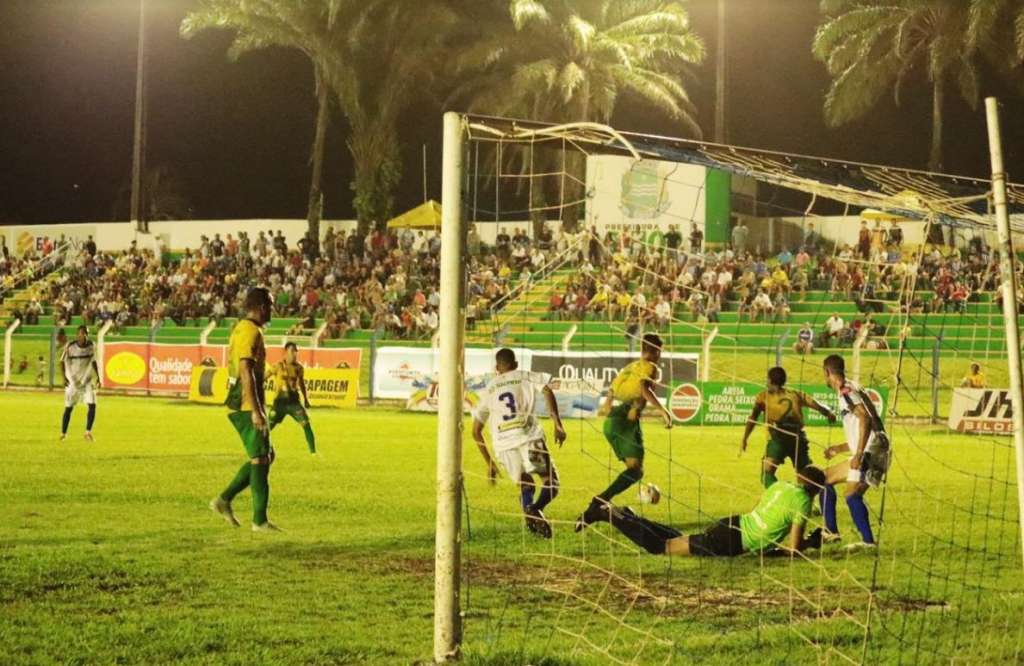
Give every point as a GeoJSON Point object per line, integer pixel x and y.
{"type": "Point", "coordinates": [762, 305]}
{"type": "Point", "coordinates": [33, 311]}
{"type": "Point", "coordinates": [834, 328]}
{"type": "Point", "coordinates": [780, 307]}
{"type": "Point", "coordinates": [812, 240]}
{"type": "Point", "coordinates": [673, 238]}
{"type": "Point", "coordinates": [696, 239]}
{"type": "Point", "coordinates": [864, 241]}
{"type": "Point", "coordinates": [895, 237]}
{"type": "Point", "coordinates": [804, 340]}
{"type": "Point", "coordinates": [975, 378]}
{"type": "Point", "coordinates": [740, 233]}
{"type": "Point", "coordinates": [662, 313]}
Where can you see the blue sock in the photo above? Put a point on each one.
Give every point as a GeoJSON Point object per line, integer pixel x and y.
{"type": "Point", "coordinates": [859, 513]}
{"type": "Point", "coordinates": [66, 421]}
{"type": "Point", "coordinates": [828, 509]}
{"type": "Point", "coordinates": [526, 496]}
{"type": "Point", "coordinates": [90, 416]}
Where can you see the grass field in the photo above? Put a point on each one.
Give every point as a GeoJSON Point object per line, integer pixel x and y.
{"type": "Point", "coordinates": [108, 552]}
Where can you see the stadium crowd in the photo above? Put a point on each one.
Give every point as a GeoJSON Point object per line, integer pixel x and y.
{"type": "Point", "coordinates": [654, 279]}
{"type": "Point", "coordinates": [385, 279]}
{"type": "Point", "coordinates": [389, 279]}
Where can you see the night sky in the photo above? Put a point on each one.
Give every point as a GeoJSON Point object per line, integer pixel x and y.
{"type": "Point", "coordinates": [238, 134]}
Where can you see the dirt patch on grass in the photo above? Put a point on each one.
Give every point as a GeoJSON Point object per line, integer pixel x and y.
{"type": "Point", "coordinates": [584, 584]}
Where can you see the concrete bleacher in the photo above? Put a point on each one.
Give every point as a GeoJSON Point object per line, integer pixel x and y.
{"type": "Point", "coordinates": [526, 321]}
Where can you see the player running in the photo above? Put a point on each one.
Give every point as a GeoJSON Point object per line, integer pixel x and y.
{"type": "Point", "coordinates": [867, 441]}
{"type": "Point", "coordinates": [508, 403]}
{"type": "Point", "coordinates": [776, 524]}
{"type": "Point", "coordinates": [246, 365]}
{"type": "Point", "coordinates": [289, 377]}
{"type": "Point", "coordinates": [81, 380]}
{"type": "Point", "coordinates": [633, 387]}
{"type": "Point", "coordinates": [783, 411]}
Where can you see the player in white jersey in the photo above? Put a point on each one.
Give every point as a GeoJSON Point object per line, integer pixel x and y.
{"type": "Point", "coordinates": [81, 379]}
{"type": "Point", "coordinates": [508, 402]}
{"type": "Point", "coordinates": [868, 443]}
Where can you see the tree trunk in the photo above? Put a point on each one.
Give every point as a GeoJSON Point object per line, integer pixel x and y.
{"type": "Point", "coordinates": [315, 207]}
{"type": "Point", "coordinates": [938, 97]}
{"type": "Point", "coordinates": [378, 170]}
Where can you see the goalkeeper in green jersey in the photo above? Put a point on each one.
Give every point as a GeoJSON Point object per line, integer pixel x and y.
{"type": "Point", "coordinates": [291, 400]}
{"type": "Point", "coordinates": [776, 524]}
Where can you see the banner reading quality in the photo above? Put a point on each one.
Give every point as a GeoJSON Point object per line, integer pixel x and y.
{"type": "Point", "coordinates": [719, 403]}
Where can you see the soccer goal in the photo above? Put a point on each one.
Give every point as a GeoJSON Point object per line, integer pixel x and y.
{"type": "Point", "coordinates": [572, 244]}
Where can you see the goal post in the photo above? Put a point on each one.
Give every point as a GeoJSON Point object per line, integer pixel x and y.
{"type": "Point", "coordinates": [1009, 293]}
{"type": "Point", "coordinates": [447, 556]}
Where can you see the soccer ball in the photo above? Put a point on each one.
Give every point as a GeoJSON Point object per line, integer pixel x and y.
{"type": "Point", "coordinates": [649, 494]}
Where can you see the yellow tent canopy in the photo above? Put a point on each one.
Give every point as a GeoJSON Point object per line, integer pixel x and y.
{"type": "Point", "coordinates": [426, 215]}
{"type": "Point", "coordinates": [873, 214]}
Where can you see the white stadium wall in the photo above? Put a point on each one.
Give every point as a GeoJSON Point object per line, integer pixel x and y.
{"type": "Point", "coordinates": [176, 234]}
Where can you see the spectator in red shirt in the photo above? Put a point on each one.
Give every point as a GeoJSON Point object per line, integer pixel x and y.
{"type": "Point", "coordinates": [312, 298]}
{"type": "Point", "coordinates": [555, 305]}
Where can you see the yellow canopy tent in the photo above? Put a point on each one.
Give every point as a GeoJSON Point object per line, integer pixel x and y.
{"type": "Point", "coordinates": [873, 214]}
{"type": "Point", "coordinates": [426, 215]}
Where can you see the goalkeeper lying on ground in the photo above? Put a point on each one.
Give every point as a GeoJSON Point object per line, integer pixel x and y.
{"type": "Point", "coordinates": [776, 523]}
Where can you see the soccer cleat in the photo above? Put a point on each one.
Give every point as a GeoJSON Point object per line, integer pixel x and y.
{"type": "Point", "coordinates": [63, 436]}
{"type": "Point", "coordinates": [537, 523]}
{"type": "Point", "coordinates": [223, 509]}
{"type": "Point", "coordinates": [860, 545]}
{"type": "Point", "coordinates": [88, 436]}
{"type": "Point", "coordinates": [596, 512]}
{"type": "Point", "coordinates": [266, 527]}
{"type": "Point", "coordinates": [830, 537]}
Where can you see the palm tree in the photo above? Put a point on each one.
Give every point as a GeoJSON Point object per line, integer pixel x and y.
{"type": "Point", "coordinates": [379, 66]}
{"type": "Point", "coordinates": [569, 60]}
{"type": "Point", "coordinates": [375, 56]}
{"type": "Point", "coordinates": [873, 46]}
{"type": "Point", "coordinates": [260, 24]}
{"type": "Point", "coordinates": [997, 26]}
{"type": "Point", "coordinates": [574, 60]}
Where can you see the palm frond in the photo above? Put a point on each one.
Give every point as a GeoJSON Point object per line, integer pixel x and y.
{"type": "Point", "coordinates": [570, 79]}
{"type": "Point", "coordinates": [524, 12]}
{"type": "Point", "coordinates": [858, 89]}
{"type": "Point", "coordinates": [844, 26]}
{"type": "Point", "coordinates": [580, 33]}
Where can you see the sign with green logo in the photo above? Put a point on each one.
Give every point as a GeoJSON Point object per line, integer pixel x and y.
{"type": "Point", "coordinates": [721, 403]}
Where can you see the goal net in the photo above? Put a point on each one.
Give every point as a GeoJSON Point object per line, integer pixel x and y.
{"type": "Point", "coordinates": [582, 240]}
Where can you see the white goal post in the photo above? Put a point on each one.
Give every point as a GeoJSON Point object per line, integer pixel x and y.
{"type": "Point", "coordinates": [1009, 293]}
{"type": "Point", "coordinates": [447, 546]}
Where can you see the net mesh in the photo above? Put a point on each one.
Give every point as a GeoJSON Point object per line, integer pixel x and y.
{"type": "Point", "coordinates": [946, 580]}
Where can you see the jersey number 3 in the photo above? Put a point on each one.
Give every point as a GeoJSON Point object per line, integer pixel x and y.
{"type": "Point", "coordinates": [510, 402]}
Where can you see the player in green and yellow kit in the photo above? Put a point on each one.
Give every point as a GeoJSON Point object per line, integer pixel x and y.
{"type": "Point", "coordinates": [291, 400]}
{"type": "Point", "coordinates": [633, 387]}
{"type": "Point", "coordinates": [783, 411]}
{"type": "Point", "coordinates": [246, 366]}
{"type": "Point", "coordinates": [776, 524]}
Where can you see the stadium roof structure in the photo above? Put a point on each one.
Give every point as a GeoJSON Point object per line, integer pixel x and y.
{"type": "Point", "coordinates": [943, 198]}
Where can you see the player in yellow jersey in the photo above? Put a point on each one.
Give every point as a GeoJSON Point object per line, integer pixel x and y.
{"type": "Point", "coordinates": [633, 388]}
{"type": "Point", "coordinates": [783, 411]}
{"type": "Point", "coordinates": [291, 400]}
{"type": "Point", "coordinates": [246, 366]}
